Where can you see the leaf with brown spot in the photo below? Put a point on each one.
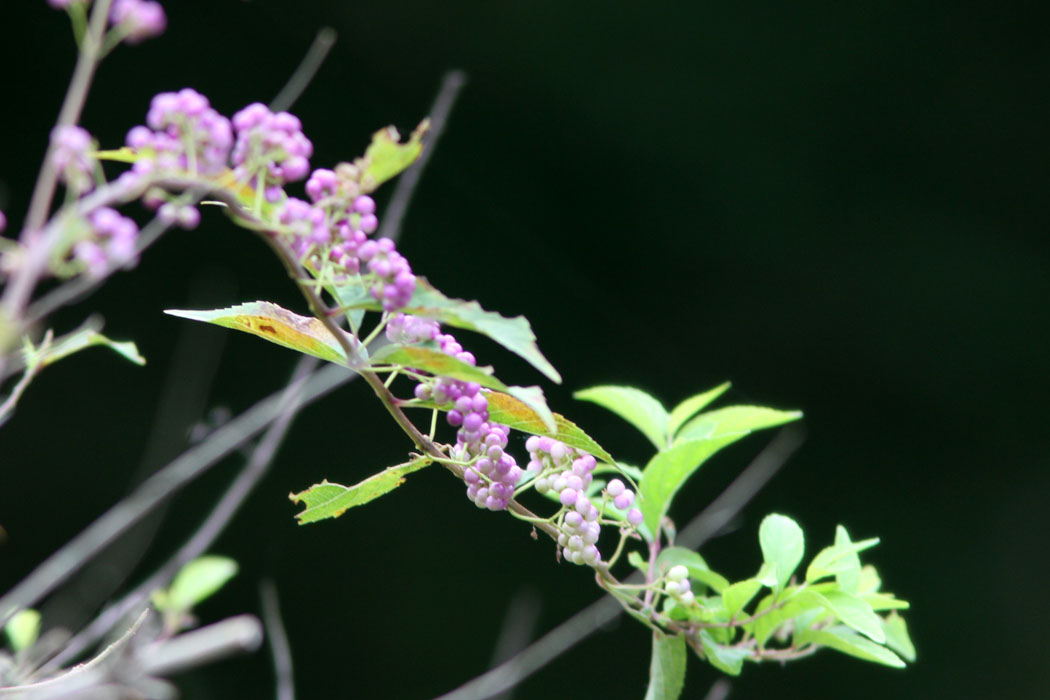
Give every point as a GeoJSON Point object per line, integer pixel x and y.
{"type": "Point", "coordinates": [303, 333]}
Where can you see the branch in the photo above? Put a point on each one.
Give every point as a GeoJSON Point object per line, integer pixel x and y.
{"type": "Point", "coordinates": [290, 402]}
{"type": "Point", "coordinates": [604, 610]}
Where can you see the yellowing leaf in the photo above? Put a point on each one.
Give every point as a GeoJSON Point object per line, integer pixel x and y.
{"type": "Point", "coordinates": [303, 333]}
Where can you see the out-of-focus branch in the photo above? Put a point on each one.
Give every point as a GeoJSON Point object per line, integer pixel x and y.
{"type": "Point", "coordinates": [290, 402]}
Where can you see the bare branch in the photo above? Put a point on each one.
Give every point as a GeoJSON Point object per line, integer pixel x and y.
{"type": "Point", "coordinates": [279, 647]}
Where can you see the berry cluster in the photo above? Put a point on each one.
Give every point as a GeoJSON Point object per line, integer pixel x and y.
{"type": "Point", "coordinates": [567, 472]}
{"type": "Point", "coordinates": [137, 19]}
{"type": "Point", "coordinates": [271, 148]}
{"type": "Point", "coordinates": [71, 156]}
{"type": "Point", "coordinates": [678, 586]}
{"type": "Point", "coordinates": [183, 133]}
{"type": "Point", "coordinates": [134, 20]}
{"type": "Point", "coordinates": [110, 242]}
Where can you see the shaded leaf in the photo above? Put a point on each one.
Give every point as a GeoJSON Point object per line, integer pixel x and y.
{"type": "Point", "coordinates": [328, 500]}
{"type": "Point", "coordinates": [437, 363]}
{"type": "Point", "coordinates": [666, 667]}
{"type": "Point", "coordinates": [782, 544]}
{"type": "Point", "coordinates": [897, 637]}
{"type": "Point", "coordinates": [725, 659]}
{"type": "Point", "coordinates": [790, 606]}
{"type": "Point", "coordinates": [303, 333]}
{"type": "Point", "coordinates": [197, 581]}
{"type": "Point", "coordinates": [633, 405]}
{"type": "Point", "coordinates": [515, 334]}
{"type": "Point", "coordinates": [88, 338]}
{"type": "Point", "coordinates": [688, 408]}
{"type": "Point", "coordinates": [848, 642]}
{"type": "Point", "coordinates": [851, 610]}
{"type": "Point", "coordinates": [734, 419]}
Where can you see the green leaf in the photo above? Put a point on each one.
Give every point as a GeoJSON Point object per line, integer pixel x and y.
{"type": "Point", "coordinates": [851, 610]}
{"type": "Point", "coordinates": [688, 408]}
{"type": "Point", "coordinates": [885, 601]}
{"type": "Point", "coordinates": [848, 573]}
{"type": "Point", "coordinates": [736, 596]}
{"type": "Point", "coordinates": [767, 575]}
{"type": "Point", "coordinates": [23, 629]}
{"type": "Point", "coordinates": [635, 559]}
{"type": "Point", "coordinates": [838, 558]}
{"type": "Point", "coordinates": [668, 470]}
{"type": "Point", "coordinates": [667, 667]}
{"type": "Point", "coordinates": [848, 642]}
{"type": "Point", "coordinates": [633, 405]}
{"type": "Point", "coordinates": [790, 606]}
{"type": "Point", "coordinates": [328, 500]}
{"type": "Point", "coordinates": [725, 659]}
{"type": "Point", "coordinates": [197, 581]}
{"type": "Point", "coordinates": [515, 334]}
{"type": "Point", "coordinates": [517, 415]}
{"type": "Point", "coordinates": [782, 544]}
{"type": "Point", "coordinates": [303, 333]}
{"type": "Point", "coordinates": [897, 637]}
{"type": "Point", "coordinates": [734, 419]}
{"type": "Point", "coordinates": [386, 156]}
{"type": "Point", "coordinates": [85, 339]}
{"type": "Point", "coordinates": [432, 360]}
{"type": "Point", "coordinates": [698, 569]}
{"type": "Point", "coordinates": [532, 396]}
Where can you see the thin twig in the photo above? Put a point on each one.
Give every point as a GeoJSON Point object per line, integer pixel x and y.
{"type": "Point", "coordinates": [80, 677]}
{"type": "Point", "coordinates": [290, 402]}
{"type": "Point", "coordinates": [305, 72]}
{"type": "Point", "coordinates": [451, 85]}
{"type": "Point", "coordinates": [279, 647]}
{"type": "Point", "coordinates": [19, 288]}
{"type": "Point", "coordinates": [604, 610]}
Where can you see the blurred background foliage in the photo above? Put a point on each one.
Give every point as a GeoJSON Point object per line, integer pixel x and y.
{"type": "Point", "coordinates": [838, 206]}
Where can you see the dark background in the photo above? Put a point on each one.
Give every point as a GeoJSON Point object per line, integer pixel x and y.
{"type": "Point", "coordinates": [838, 206]}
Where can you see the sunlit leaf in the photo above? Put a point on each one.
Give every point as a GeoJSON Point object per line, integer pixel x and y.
{"type": "Point", "coordinates": [688, 408]}
{"type": "Point", "coordinates": [633, 405]}
{"type": "Point", "coordinates": [328, 500]}
{"type": "Point", "coordinates": [303, 333]}
{"type": "Point", "coordinates": [733, 420]}
{"type": "Point", "coordinates": [838, 558]}
{"type": "Point", "coordinates": [739, 594]}
{"type": "Point", "coordinates": [23, 629]}
{"type": "Point", "coordinates": [517, 415]}
{"type": "Point", "coordinates": [387, 156]}
{"type": "Point", "coordinates": [199, 580]}
{"type": "Point", "coordinates": [666, 667]}
{"type": "Point", "coordinates": [848, 642]}
{"type": "Point", "coordinates": [782, 544]}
